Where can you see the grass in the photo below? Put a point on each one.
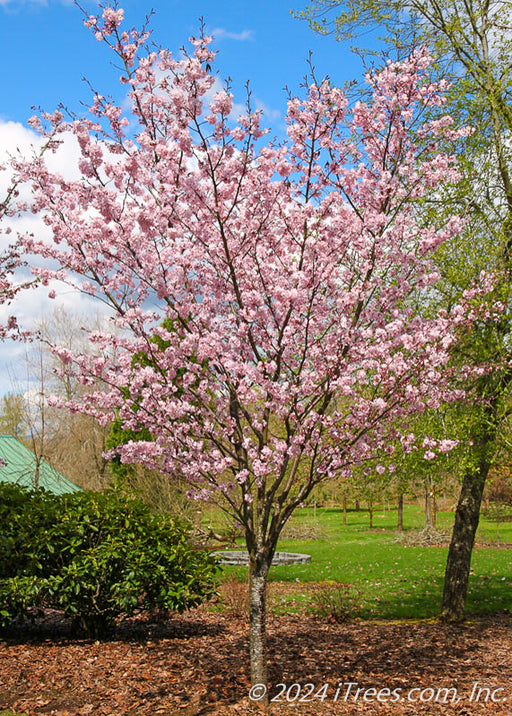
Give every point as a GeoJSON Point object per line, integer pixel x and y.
{"type": "Point", "coordinates": [389, 580]}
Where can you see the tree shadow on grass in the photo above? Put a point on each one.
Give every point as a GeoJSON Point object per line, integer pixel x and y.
{"type": "Point", "coordinates": [423, 599]}
{"type": "Point", "coordinates": [489, 593]}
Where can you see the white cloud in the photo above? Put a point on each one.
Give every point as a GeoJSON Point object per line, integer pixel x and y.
{"type": "Point", "coordinates": [15, 138]}
{"type": "Point", "coordinates": [19, 141]}
{"type": "Point", "coordinates": [273, 115]}
{"type": "Point", "coordinates": [31, 306]}
{"type": "Point", "coordinates": [219, 33]}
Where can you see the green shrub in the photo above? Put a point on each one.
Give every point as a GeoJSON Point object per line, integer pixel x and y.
{"type": "Point", "coordinates": [26, 516]}
{"type": "Point", "coordinates": [17, 594]}
{"type": "Point", "coordinates": [95, 556]}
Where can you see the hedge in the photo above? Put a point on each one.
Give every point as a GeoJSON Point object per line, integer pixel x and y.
{"type": "Point", "coordinates": [95, 556]}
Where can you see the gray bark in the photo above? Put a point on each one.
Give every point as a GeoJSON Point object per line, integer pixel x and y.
{"type": "Point", "coordinates": [258, 571]}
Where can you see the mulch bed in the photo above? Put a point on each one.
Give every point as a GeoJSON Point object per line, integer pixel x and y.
{"type": "Point", "coordinates": [198, 664]}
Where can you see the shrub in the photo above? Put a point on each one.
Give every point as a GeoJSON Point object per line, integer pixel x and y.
{"type": "Point", "coordinates": [334, 602]}
{"type": "Point", "coordinates": [95, 556]}
{"type": "Point", "coordinates": [26, 516]}
{"type": "Point", "coordinates": [234, 596]}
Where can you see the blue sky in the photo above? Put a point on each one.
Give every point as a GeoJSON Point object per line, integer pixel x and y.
{"type": "Point", "coordinates": [45, 50]}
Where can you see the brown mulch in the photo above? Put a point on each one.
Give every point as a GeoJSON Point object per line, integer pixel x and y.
{"type": "Point", "coordinates": [198, 664]}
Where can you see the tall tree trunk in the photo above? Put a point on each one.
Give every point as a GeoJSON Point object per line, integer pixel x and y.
{"type": "Point", "coordinates": [467, 517]}
{"type": "Point", "coordinates": [344, 510]}
{"type": "Point", "coordinates": [429, 507]}
{"type": "Point", "coordinates": [458, 564]}
{"type": "Point", "coordinates": [370, 511]}
{"type": "Point", "coordinates": [37, 473]}
{"type": "Point", "coordinates": [258, 571]}
{"type": "Point", "coordinates": [400, 525]}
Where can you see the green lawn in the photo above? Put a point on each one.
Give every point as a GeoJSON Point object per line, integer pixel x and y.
{"type": "Point", "coordinates": [387, 579]}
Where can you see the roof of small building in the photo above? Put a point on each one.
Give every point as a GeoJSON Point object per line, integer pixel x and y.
{"type": "Point", "coordinates": [18, 465]}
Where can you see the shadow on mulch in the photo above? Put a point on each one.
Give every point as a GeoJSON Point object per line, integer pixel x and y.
{"type": "Point", "coordinates": [198, 663]}
{"type": "Point", "coordinates": [339, 652]}
{"type": "Point", "coordinates": [48, 625]}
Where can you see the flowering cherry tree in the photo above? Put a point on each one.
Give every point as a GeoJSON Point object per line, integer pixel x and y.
{"type": "Point", "coordinates": [265, 332]}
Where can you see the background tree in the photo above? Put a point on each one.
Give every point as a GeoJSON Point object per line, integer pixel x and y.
{"type": "Point", "coordinates": [287, 271]}
{"type": "Point", "coordinates": [472, 44]}
{"type": "Point", "coordinates": [370, 485]}
{"type": "Point", "coordinates": [425, 471]}
{"type": "Point", "coordinates": [12, 415]}
{"type": "Point", "coordinates": [77, 443]}
{"type": "Point", "coordinates": [499, 497]}
{"type": "Point", "coordinates": [74, 444]}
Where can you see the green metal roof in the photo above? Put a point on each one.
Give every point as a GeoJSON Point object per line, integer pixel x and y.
{"type": "Point", "coordinates": [18, 465]}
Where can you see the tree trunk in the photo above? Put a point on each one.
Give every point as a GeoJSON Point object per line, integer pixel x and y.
{"type": "Point", "coordinates": [37, 473]}
{"type": "Point", "coordinates": [370, 511]}
{"type": "Point", "coordinates": [400, 525]}
{"type": "Point", "coordinates": [429, 507]}
{"type": "Point", "coordinates": [467, 517]}
{"type": "Point", "coordinates": [458, 565]}
{"type": "Point", "coordinates": [344, 510]}
{"type": "Point", "coordinates": [258, 571]}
